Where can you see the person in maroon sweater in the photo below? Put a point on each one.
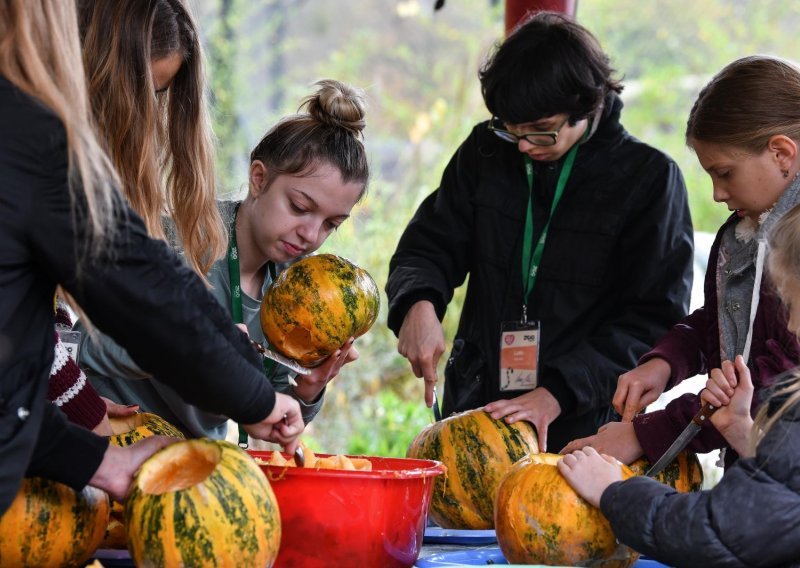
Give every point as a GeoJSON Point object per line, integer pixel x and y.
{"type": "Point", "coordinates": [745, 130]}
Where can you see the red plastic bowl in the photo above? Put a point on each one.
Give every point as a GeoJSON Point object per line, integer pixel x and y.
{"type": "Point", "coordinates": [352, 518]}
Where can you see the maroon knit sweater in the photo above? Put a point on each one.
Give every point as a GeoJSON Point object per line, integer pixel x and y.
{"type": "Point", "coordinates": [68, 388]}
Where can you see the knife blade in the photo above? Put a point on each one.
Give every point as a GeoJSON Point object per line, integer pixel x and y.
{"type": "Point", "coordinates": [278, 358]}
{"type": "Point", "coordinates": [683, 439]}
{"type": "Point", "coordinates": [437, 414]}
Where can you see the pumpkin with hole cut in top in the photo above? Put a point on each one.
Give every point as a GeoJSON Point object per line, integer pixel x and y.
{"type": "Point", "coordinates": [129, 430]}
{"type": "Point", "coordinates": [50, 524]}
{"type": "Point", "coordinates": [317, 304]}
{"type": "Point", "coordinates": [540, 519]}
{"type": "Point", "coordinates": [477, 450]}
{"type": "Point", "coordinates": [202, 502]}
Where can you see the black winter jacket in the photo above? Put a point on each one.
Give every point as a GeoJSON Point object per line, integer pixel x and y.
{"type": "Point", "coordinates": [615, 275]}
{"type": "Point", "coordinates": [141, 294]}
{"type": "Point", "coordinates": [750, 518]}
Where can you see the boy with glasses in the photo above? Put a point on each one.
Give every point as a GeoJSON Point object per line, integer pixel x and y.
{"type": "Point", "coordinates": [576, 238]}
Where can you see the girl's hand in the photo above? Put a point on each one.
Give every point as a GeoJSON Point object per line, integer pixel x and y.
{"type": "Point", "coordinates": [589, 473]}
{"type": "Point", "coordinates": [730, 389]}
{"type": "Point", "coordinates": [310, 386]}
{"type": "Point", "coordinates": [282, 426]}
{"type": "Point", "coordinates": [113, 410]}
{"type": "Point", "coordinates": [640, 386]}
{"type": "Point", "coordinates": [617, 439]}
{"type": "Point", "coordinates": [115, 473]}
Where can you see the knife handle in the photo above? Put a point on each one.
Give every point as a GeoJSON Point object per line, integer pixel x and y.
{"type": "Point", "coordinates": [704, 414]}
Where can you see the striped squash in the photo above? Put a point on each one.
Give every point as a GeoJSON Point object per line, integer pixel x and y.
{"type": "Point", "coordinates": [50, 524]}
{"type": "Point", "coordinates": [202, 503]}
{"type": "Point", "coordinates": [129, 430]}
{"type": "Point", "coordinates": [684, 473]}
{"type": "Point", "coordinates": [477, 450]}
{"type": "Point", "coordinates": [317, 304]}
{"type": "Point", "coordinates": [540, 519]}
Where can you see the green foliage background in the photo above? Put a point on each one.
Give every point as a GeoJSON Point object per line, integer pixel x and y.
{"type": "Point", "coordinates": [419, 70]}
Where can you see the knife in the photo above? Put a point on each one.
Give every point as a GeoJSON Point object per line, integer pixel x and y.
{"type": "Point", "coordinates": [683, 440]}
{"type": "Point", "coordinates": [278, 358]}
{"type": "Point", "coordinates": [437, 414]}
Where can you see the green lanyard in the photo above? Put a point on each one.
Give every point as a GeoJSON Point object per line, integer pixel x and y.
{"type": "Point", "coordinates": [532, 258]}
{"type": "Point", "coordinates": [236, 302]}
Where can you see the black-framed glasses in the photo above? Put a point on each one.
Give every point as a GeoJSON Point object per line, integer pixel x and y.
{"type": "Point", "coordinates": [536, 138]}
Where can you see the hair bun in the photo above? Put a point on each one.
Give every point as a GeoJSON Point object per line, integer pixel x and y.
{"type": "Point", "coordinates": [337, 104]}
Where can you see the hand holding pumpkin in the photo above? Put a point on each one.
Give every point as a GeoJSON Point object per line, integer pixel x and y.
{"type": "Point", "coordinates": [115, 473]}
{"type": "Point", "coordinates": [310, 386]}
{"type": "Point", "coordinates": [282, 426]}
{"type": "Point", "coordinates": [640, 386]}
{"type": "Point", "coordinates": [113, 410]}
{"type": "Point", "coordinates": [421, 341]}
{"type": "Point", "coordinates": [730, 389]}
{"type": "Point", "coordinates": [617, 439]}
{"type": "Point", "coordinates": [589, 473]}
{"type": "Point", "coordinates": [539, 407]}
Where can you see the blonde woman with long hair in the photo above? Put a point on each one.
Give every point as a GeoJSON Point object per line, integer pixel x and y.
{"type": "Point", "coordinates": [62, 222]}
{"type": "Point", "coordinates": [144, 65]}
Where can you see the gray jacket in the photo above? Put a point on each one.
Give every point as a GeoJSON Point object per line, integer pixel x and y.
{"type": "Point", "coordinates": [114, 374]}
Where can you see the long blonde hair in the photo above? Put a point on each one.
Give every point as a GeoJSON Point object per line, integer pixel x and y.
{"type": "Point", "coordinates": [40, 54]}
{"type": "Point", "coordinates": [161, 143]}
{"type": "Point", "coordinates": [783, 267]}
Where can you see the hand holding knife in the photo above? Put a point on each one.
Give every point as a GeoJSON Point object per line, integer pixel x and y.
{"type": "Point", "coordinates": [683, 439]}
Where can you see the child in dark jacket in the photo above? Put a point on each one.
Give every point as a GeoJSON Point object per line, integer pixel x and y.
{"type": "Point", "coordinates": [762, 487]}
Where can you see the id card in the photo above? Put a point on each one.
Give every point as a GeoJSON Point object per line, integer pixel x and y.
{"type": "Point", "coordinates": [71, 341]}
{"type": "Point", "coordinates": [519, 355]}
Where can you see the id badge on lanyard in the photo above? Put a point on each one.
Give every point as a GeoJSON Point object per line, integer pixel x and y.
{"type": "Point", "coordinates": [519, 340]}
{"type": "Point", "coordinates": [519, 355]}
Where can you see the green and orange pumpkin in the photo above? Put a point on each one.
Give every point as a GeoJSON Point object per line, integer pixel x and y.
{"type": "Point", "coordinates": [50, 525]}
{"type": "Point", "coordinates": [129, 430]}
{"type": "Point", "coordinates": [317, 304]}
{"type": "Point", "coordinates": [540, 519]}
{"type": "Point", "coordinates": [477, 451]}
{"type": "Point", "coordinates": [202, 503]}
{"type": "Point", "coordinates": [683, 474]}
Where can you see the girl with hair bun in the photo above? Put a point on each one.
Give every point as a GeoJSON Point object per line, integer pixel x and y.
{"type": "Point", "coordinates": [305, 176]}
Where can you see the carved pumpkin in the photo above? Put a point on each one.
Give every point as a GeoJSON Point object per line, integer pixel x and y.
{"type": "Point", "coordinates": [202, 503]}
{"type": "Point", "coordinates": [540, 519]}
{"type": "Point", "coordinates": [477, 451]}
{"type": "Point", "coordinates": [317, 304]}
{"type": "Point", "coordinates": [50, 524]}
{"type": "Point", "coordinates": [129, 430]}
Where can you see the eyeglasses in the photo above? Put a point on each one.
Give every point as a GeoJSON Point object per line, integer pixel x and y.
{"type": "Point", "coordinates": [535, 138]}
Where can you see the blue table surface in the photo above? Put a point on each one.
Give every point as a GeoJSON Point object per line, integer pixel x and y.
{"type": "Point", "coordinates": [451, 556]}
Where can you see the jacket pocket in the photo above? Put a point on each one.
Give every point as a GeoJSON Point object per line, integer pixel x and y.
{"type": "Point", "coordinates": [464, 374]}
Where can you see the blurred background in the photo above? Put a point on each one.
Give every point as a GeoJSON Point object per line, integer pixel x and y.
{"type": "Point", "coordinates": [418, 67]}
